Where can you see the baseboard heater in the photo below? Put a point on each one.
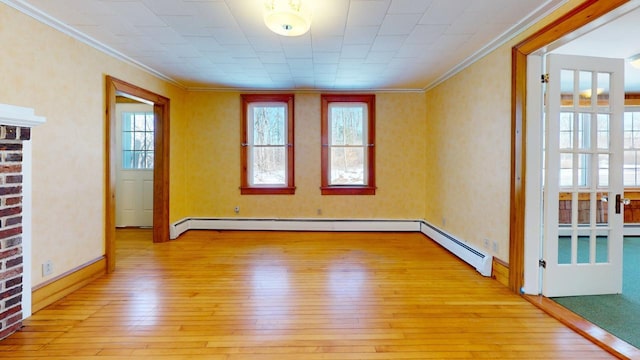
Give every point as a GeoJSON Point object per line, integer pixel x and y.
{"type": "Point", "coordinates": [472, 256]}
{"type": "Point", "coordinates": [476, 258]}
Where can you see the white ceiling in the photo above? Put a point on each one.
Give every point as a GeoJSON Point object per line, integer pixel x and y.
{"type": "Point", "coordinates": [353, 44]}
{"type": "Point", "coordinates": [618, 38]}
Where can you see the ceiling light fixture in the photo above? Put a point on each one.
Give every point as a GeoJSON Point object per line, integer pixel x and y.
{"type": "Point", "coordinates": [635, 61]}
{"type": "Point", "coordinates": [287, 17]}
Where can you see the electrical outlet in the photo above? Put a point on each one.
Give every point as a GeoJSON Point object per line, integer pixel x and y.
{"type": "Point", "coordinates": [486, 243]}
{"type": "Point", "coordinates": [444, 221]}
{"type": "Point", "coordinates": [494, 246]}
{"type": "Point", "coordinates": [47, 268]}
{"type": "Point", "coordinates": [237, 209]}
{"type": "Point", "coordinates": [319, 211]}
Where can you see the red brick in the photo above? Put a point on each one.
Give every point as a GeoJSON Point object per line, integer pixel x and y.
{"type": "Point", "coordinates": [10, 190]}
{"type": "Point", "coordinates": [13, 282]}
{"type": "Point", "coordinates": [10, 330]}
{"type": "Point", "coordinates": [10, 232]}
{"type": "Point", "coordinates": [13, 221]}
{"type": "Point", "coordinates": [11, 252]}
{"type": "Point", "coordinates": [10, 274]}
{"type": "Point", "coordinates": [13, 179]}
{"type": "Point", "coordinates": [14, 262]}
{"type": "Point", "coordinates": [10, 211]}
{"type": "Point", "coordinates": [13, 200]}
{"type": "Point", "coordinates": [11, 169]}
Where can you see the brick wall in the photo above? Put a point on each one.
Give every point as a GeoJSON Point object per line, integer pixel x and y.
{"type": "Point", "coordinates": [11, 257]}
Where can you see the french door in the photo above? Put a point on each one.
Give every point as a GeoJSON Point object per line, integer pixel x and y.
{"type": "Point", "coordinates": [583, 188]}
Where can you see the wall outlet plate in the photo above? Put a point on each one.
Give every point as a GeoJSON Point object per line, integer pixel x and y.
{"type": "Point", "coordinates": [47, 268]}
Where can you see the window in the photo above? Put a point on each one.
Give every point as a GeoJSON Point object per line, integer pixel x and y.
{"type": "Point", "coordinates": [267, 144]}
{"type": "Point", "coordinates": [631, 173]}
{"type": "Point", "coordinates": [137, 140]}
{"type": "Point", "coordinates": [348, 151]}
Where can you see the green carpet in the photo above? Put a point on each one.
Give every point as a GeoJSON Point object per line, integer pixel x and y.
{"type": "Point", "coordinates": [618, 314]}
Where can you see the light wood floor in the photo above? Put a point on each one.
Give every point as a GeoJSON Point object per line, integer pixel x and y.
{"type": "Point", "coordinates": [285, 296]}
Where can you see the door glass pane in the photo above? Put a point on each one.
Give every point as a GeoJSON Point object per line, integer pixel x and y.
{"type": "Point", "coordinates": [584, 209]}
{"type": "Point", "coordinates": [566, 130]}
{"type": "Point", "coordinates": [566, 170]}
{"type": "Point", "coordinates": [564, 249]}
{"type": "Point", "coordinates": [583, 169]}
{"type": "Point", "coordinates": [583, 249]}
{"type": "Point", "coordinates": [602, 209]}
{"type": "Point", "coordinates": [603, 89]}
{"type": "Point", "coordinates": [564, 209]}
{"type": "Point", "coordinates": [585, 84]}
{"type": "Point", "coordinates": [603, 131]}
{"type": "Point", "coordinates": [602, 249]}
{"type": "Point", "coordinates": [566, 88]}
{"type": "Point", "coordinates": [603, 170]}
{"type": "Point", "coordinates": [584, 130]}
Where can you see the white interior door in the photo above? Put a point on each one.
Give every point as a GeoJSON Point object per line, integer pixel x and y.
{"type": "Point", "coordinates": [134, 178]}
{"type": "Point", "coordinates": [583, 178]}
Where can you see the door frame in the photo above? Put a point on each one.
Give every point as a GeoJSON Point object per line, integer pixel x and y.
{"type": "Point", "coordinates": [584, 14]}
{"type": "Point", "coordinates": [160, 171]}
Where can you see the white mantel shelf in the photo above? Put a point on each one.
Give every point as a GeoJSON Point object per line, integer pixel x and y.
{"type": "Point", "coordinates": [19, 116]}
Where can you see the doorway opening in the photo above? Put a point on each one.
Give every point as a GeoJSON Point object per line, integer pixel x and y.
{"type": "Point", "coordinates": [160, 216]}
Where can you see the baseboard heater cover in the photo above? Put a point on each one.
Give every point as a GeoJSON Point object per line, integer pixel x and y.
{"type": "Point", "coordinates": [476, 258]}
{"type": "Point", "coordinates": [468, 253]}
{"type": "Point", "coordinates": [292, 225]}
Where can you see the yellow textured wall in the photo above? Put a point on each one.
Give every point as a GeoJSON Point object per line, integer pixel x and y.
{"type": "Point", "coordinates": [469, 137]}
{"type": "Point", "coordinates": [468, 127]}
{"type": "Point", "coordinates": [214, 161]}
{"type": "Point", "coordinates": [64, 81]}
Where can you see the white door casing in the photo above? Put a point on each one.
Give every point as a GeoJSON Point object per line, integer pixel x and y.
{"type": "Point", "coordinates": [582, 246]}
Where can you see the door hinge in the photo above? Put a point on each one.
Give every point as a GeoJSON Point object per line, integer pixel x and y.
{"type": "Point", "coordinates": [542, 263]}
{"type": "Point", "coordinates": [544, 78]}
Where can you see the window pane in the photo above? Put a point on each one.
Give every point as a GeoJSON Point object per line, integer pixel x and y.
{"type": "Point", "coordinates": [347, 126]}
{"type": "Point", "coordinates": [347, 166]}
{"type": "Point", "coordinates": [269, 166]}
{"type": "Point", "coordinates": [137, 140]}
{"type": "Point", "coordinates": [269, 125]}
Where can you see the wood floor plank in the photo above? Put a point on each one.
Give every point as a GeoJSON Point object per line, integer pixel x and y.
{"type": "Point", "coordinates": [255, 295]}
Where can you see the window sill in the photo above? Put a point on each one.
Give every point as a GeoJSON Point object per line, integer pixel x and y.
{"type": "Point", "coordinates": [267, 190]}
{"type": "Point", "coordinates": [348, 190]}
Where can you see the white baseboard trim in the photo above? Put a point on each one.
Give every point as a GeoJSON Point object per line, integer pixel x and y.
{"type": "Point", "coordinates": [468, 253]}
{"type": "Point", "coordinates": [184, 225]}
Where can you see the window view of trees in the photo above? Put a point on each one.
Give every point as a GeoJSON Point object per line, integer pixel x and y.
{"type": "Point", "coordinates": [137, 140]}
{"type": "Point", "coordinates": [269, 145]}
{"type": "Point", "coordinates": [267, 151]}
{"type": "Point", "coordinates": [347, 144]}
